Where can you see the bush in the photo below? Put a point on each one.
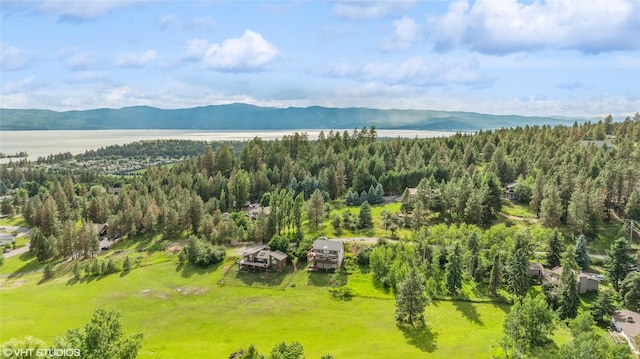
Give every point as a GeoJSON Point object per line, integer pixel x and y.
{"type": "Point", "coordinates": [202, 253]}
{"type": "Point", "coordinates": [342, 293]}
{"type": "Point", "coordinates": [363, 255]}
{"type": "Point", "coordinates": [48, 272]}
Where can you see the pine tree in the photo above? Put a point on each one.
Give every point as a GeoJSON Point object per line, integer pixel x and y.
{"type": "Point", "coordinates": [411, 300]}
{"type": "Point", "coordinates": [618, 264]}
{"type": "Point", "coordinates": [453, 270]}
{"type": "Point", "coordinates": [365, 219]}
{"type": "Point", "coordinates": [495, 281]}
{"type": "Point", "coordinates": [315, 211]}
{"type": "Point", "coordinates": [518, 265]}
{"type": "Point", "coordinates": [604, 306]}
{"type": "Point", "coordinates": [554, 249]}
{"type": "Point", "coordinates": [126, 265]}
{"type": "Point", "coordinates": [569, 297]}
{"type": "Point", "coordinates": [581, 252]}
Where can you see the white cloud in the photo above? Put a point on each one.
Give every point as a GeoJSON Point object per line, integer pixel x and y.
{"type": "Point", "coordinates": [510, 26]}
{"type": "Point", "coordinates": [416, 71]}
{"type": "Point", "coordinates": [406, 33]}
{"type": "Point", "coordinates": [80, 61]}
{"type": "Point", "coordinates": [165, 20]}
{"type": "Point", "coordinates": [79, 10]}
{"type": "Point", "coordinates": [201, 23]}
{"type": "Point", "coordinates": [12, 58]}
{"type": "Point", "coordinates": [88, 76]}
{"type": "Point", "coordinates": [136, 59]}
{"type": "Point", "coordinates": [355, 10]}
{"type": "Point", "coordinates": [248, 53]}
{"type": "Point", "coordinates": [17, 86]}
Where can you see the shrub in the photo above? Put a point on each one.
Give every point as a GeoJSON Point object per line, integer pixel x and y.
{"type": "Point", "coordinates": [342, 293]}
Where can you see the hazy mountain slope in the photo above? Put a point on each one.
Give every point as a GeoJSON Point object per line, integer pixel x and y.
{"type": "Point", "coordinates": [249, 117]}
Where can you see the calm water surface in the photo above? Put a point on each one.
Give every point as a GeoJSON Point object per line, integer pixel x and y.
{"type": "Point", "coordinates": [44, 143]}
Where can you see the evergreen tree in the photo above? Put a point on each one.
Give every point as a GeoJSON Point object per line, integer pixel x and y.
{"type": "Point", "coordinates": [315, 211]}
{"type": "Point", "coordinates": [569, 297]}
{"type": "Point", "coordinates": [604, 306]}
{"type": "Point", "coordinates": [365, 219]}
{"type": "Point", "coordinates": [495, 281]}
{"type": "Point", "coordinates": [551, 207]}
{"type": "Point", "coordinates": [407, 202]}
{"type": "Point", "coordinates": [126, 265]}
{"type": "Point", "coordinates": [581, 252]}
{"type": "Point", "coordinates": [632, 209]}
{"type": "Point", "coordinates": [518, 265]}
{"type": "Point", "coordinates": [630, 291]}
{"type": "Point", "coordinates": [554, 249]}
{"type": "Point", "coordinates": [411, 300]}
{"type": "Point", "coordinates": [618, 264]}
{"type": "Point", "coordinates": [453, 270]}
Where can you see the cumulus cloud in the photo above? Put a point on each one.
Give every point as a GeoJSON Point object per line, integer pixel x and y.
{"type": "Point", "coordinates": [356, 10]}
{"type": "Point", "coordinates": [248, 53]}
{"type": "Point", "coordinates": [406, 33]}
{"type": "Point", "coordinates": [510, 26]}
{"type": "Point", "coordinates": [136, 60]}
{"type": "Point", "coordinates": [12, 58]}
{"type": "Point", "coordinates": [78, 10]}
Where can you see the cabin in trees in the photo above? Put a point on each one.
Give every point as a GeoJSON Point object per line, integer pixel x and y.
{"type": "Point", "coordinates": [325, 254]}
{"type": "Point", "coordinates": [260, 258]}
{"type": "Point", "coordinates": [587, 282]}
{"type": "Point", "coordinates": [536, 270]}
{"type": "Point", "coordinates": [509, 191]}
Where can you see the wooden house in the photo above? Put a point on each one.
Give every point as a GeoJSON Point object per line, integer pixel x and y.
{"type": "Point", "coordinates": [260, 258]}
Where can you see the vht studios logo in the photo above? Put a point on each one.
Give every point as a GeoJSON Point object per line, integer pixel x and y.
{"type": "Point", "coordinates": [49, 353]}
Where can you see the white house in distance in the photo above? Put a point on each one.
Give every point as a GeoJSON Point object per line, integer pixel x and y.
{"type": "Point", "coordinates": [325, 254]}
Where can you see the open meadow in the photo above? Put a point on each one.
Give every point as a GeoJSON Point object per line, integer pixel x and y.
{"type": "Point", "coordinates": [187, 312]}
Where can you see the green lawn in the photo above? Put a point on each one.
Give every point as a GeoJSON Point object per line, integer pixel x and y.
{"type": "Point", "coordinates": [517, 210]}
{"type": "Point", "coordinates": [187, 312]}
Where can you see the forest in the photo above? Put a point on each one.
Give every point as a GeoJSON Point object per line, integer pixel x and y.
{"type": "Point", "coordinates": [447, 233]}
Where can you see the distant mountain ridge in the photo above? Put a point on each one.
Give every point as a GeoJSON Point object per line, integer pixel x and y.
{"type": "Point", "coordinates": [249, 117]}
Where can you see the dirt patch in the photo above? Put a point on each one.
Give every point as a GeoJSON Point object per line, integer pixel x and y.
{"type": "Point", "coordinates": [225, 270]}
{"type": "Point", "coordinates": [154, 294]}
{"type": "Point", "coordinates": [9, 284]}
{"type": "Point", "coordinates": [175, 248]}
{"type": "Point", "coordinates": [191, 290]}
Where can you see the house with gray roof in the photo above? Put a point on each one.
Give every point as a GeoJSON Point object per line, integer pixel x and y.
{"type": "Point", "coordinates": [325, 254]}
{"type": "Point", "coordinates": [260, 258]}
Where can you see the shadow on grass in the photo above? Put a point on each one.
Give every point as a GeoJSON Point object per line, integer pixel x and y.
{"type": "Point", "coordinates": [30, 265]}
{"type": "Point", "coordinates": [251, 278]}
{"type": "Point", "coordinates": [420, 337]}
{"type": "Point", "coordinates": [326, 279]}
{"type": "Point", "coordinates": [468, 310]}
{"type": "Point", "coordinates": [189, 270]}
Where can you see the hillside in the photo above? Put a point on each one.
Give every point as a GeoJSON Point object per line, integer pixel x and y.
{"type": "Point", "coordinates": [249, 117]}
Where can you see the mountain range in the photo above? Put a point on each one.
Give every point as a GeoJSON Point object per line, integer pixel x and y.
{"type": "Point", "coordinates": [249, 117]}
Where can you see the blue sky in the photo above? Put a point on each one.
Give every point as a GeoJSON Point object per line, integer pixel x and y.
{"type": "Point", "coordinates": [553, 57]}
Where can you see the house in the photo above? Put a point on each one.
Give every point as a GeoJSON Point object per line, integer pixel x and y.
{"type": "Point", "coordinates": [627, 323]}
{"type": "Point", "coordinates": [325, 254]}
{"type": "Point", "coordinates": [260, 258]}
{"type": "Point", "coordinates": [607, 145]}
{"type": "Point", "coordinates": [253, 211]}
{"type": "Point", "coordinates": [101, 229]}
{"type": "Point", "coordinates": [509, 192]}
{"type": "Point", "coordinates": [587, 282]}
{"type": "Point", "coordinates": [536, 270]}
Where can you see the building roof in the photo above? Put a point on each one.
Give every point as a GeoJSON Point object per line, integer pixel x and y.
{"type": "Point", "coordinates": [605, 144]}
{"type": "Point", "coordinates": [631, 328]}
{"type": "Point", "coordinates": [279, 255]}
{"type": "Point", "coordinates": [536, 266]}
{"type": "Point", "coordinates": [253, 250]}
{"type": "Point", "coordinates": [321, 244]}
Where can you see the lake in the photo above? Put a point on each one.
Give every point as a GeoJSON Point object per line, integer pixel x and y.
{"type": "Point", "coordinates": [44, 143]}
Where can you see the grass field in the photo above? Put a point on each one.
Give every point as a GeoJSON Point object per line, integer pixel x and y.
{"type": "Point", "coordinates": [187, 312]}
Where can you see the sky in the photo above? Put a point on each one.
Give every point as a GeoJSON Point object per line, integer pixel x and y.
{"type": "Point", "coordinates": [532, 58]}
